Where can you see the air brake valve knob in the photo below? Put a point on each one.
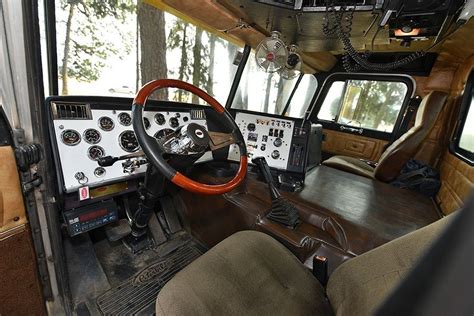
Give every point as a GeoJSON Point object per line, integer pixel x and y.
{"type": "Point", "coordinates": [277, 142]}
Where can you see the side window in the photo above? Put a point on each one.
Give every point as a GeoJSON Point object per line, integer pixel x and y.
{"type": "Point", "coordinates": [367, 104]}
{"type": "Point", "coordinates": [464, 141]}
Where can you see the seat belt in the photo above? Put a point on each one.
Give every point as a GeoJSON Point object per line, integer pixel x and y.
{"type": "Point", "coordinates": [409, 113]}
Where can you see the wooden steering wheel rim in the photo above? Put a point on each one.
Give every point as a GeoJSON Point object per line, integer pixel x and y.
{"type": "Point", "coordinates": [176, 177]}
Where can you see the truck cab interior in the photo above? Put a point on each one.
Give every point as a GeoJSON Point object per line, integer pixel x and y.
{"type": "Point", "coordinates": [210, 157]}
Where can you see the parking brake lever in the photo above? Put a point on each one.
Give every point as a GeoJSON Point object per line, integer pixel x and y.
{"type": "Point", "coordinates": [282, 211]}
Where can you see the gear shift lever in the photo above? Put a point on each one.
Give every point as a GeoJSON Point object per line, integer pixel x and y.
{"type": "Point", "coordinates": [282, 210]}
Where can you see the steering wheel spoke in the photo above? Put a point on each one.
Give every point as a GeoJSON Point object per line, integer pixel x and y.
{"type": "Point", "coordinates": [220, 140]}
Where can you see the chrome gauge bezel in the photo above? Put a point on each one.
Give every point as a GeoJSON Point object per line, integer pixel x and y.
{"type": "Point", "coordinates": [120, 141]}
{"type": "Point", "coordinates": [91, 130]}
{"type": "Point", "coordinates": [119, 117]}
{"type": "Point", "coordinates": [98, 147]}
{"type": "Point", "coordinates": [100, 125]}
{"type": "Point", "coordinates": [70, 144]}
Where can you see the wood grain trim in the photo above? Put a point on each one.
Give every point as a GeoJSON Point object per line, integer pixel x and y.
{"type": "Point", "coordinates": [12, 208]}
{"type": "Point", "coordinates": [338, 143]}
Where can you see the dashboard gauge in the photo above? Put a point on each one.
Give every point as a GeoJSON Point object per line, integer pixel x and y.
{"type": "Point", "coordinates": [146, 122]}
{"type": "Point", "coordinates": [174, 122]}
{"type": "Point", "coordinates": [91, 136]}
{"type": "Point", "coordinates": [128, 141]}
{"type": "Point", "coordinates": [99, 172]}
{"type": "Point", "coordinates": [160, 119]}
{"type": "Point", "coordinates": [106, 123]}
{"type": "Point", "coordinates": [163, 132]}
{"type": "Point", "coordinates": [95, 152]}
{"type": "Point", "coordinates": [125, 119]}
{"type": "Point", "coordinates": [70, 137]}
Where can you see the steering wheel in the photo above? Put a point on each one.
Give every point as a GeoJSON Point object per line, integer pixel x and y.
{"type": "Point", "coordinates": [193, 134]}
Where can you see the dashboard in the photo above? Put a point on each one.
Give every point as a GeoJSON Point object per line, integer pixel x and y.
{"type": "Point", "coordinates": [84, 129]}
{"type": "Point", "coordinates": [84, 133]}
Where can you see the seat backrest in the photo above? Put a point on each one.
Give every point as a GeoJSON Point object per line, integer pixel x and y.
{"type": "Point", "coordinates": [403, 149]}
{"type": "Point", "coordinates": [360, 285]}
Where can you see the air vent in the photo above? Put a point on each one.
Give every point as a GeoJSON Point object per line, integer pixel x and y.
{"type": "Point", "coordinates": [198, 115]}
{"type": "Point", "coordinates": [71, 111]}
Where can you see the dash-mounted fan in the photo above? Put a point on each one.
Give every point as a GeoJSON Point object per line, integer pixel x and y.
{"type": "Point", "coordinates": [271, 54]}
{"type": "Point", "coordinates": [293, 64]}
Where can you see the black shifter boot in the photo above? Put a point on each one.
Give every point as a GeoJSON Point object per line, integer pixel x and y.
{"type": "Point", "coordinates": [282, 211]}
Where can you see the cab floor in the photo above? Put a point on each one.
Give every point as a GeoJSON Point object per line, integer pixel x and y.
{"type": "Point", "coordinates": [119, 282]}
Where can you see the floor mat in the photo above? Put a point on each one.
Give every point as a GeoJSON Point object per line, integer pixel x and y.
{"type": "Point", "coordinates": [138, 294]}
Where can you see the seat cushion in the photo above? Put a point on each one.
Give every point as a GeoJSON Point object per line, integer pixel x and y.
{"type": "Point", "coordinates": [352, 165]}
{"type": "Point", "coordinates": [248, 273]}
{"type": "Point", "coordinates": [360, 285]}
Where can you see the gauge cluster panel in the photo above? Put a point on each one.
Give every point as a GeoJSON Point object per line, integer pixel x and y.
{"type": "Point", "coordinates": [83, 139]}
{"type": "Point", "coordinates": [270, 137]}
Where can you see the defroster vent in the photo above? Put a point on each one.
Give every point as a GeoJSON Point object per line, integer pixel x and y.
{"type": "Point", "coordinates": [71, 111]}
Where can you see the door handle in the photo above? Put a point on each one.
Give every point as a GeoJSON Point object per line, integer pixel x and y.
{"type": "Point", "coordinates": [352, 129]}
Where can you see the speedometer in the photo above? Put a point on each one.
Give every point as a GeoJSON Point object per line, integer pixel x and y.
{"type": "Point", "coordinates": [91, 136]}
{"type": "Point", "coordinates": [128, 141]}
{"type": "Point", "coordinates": [70, 137]}
{"type": "Point", "coordinates": [125, 119]}
{"type": "Point", "coordinates": [106, 123]}
{"type": "Point", "coordinates": [95, 152]}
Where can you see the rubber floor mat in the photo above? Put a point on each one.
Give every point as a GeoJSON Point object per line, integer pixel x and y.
{"type": "Point", "coordinates": [138, 294]}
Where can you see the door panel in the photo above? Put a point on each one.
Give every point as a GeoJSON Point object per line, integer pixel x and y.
{"type": "Point", "coordinates": [339, 143]}
{"type": "Point", "coordinates": [20, 289]}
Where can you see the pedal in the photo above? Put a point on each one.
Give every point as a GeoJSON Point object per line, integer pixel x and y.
{"type": "Point", "coordinates": [156, 230]}
{"type": "Point", "coordinates": [117, 230]}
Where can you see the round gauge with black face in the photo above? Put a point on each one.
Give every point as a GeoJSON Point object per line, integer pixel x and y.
{"type": "Point", "coordinates": [106, 123]}
{"type": "Point", "coordinates": [128, 141]}
{"type": "Point", "coordinates": [91, 136]}
{"type": "Point", "coordinates": [174, 122]}
{"type": "Point", "coordinates": [95, 152]}
{"type": "Point", "coordinates": [160, 119]}
{"type": "Point", "coordinates": [125, 119]}
{"type": "Point", "coordinates": [163, 132]}
{"type": "Point", "coordinates": [146, 123]}
{"type": "Point", "coordinates": [70, 137]}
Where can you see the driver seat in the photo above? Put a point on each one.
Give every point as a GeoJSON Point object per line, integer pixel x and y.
{"type": "Point", "coordinates": [251, 273]}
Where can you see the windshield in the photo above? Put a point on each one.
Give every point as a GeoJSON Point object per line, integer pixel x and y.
{"type": "Point", "coordinates": [112, 48]}
{"type": "Point", "coordinates": [269, 92]}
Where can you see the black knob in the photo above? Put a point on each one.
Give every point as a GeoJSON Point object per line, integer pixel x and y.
{"type": "Point", "coordinates": [277, 142]}
{"type": "Point", "coordinates": [174, 122]}
{"type": "Point", "coordinates": [160, 119]}
{"type": "Point", "coordinates": [263, 147]}
{"type": "Point", "coordinates": [275, 154]}
{"type": "Point", "coordinates": [251, 127]}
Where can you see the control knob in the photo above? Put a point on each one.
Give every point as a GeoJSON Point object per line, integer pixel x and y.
{"type": "Point", "coordinates": [277, 142]}
{"type": "Point", "coordinates": [251, 127]}
{"type": "Point", "coordinates": [275, 154]}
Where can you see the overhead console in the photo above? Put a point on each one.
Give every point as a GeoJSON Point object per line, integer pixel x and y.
{"type": "Point", "coordinates": [83, 132]}
{"type": "Point", "coordinates": [282, 141]}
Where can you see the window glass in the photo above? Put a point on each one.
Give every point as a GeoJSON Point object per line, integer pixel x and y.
{"type": "Point", "coordinates": [269, 92]}
{"type": "Point", "coordinates": [466, 141]}
{"type": "Point", "coordinates": [114, 47]}
{"type": "Point", "coordinates": [368, 104]}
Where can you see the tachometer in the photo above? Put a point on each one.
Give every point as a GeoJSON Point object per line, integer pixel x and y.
{"type": "Point", "coordinates": [106, 123]}
{"type": "Point", "coordinates": [125, 119]}
{"type": "Point", "coordinates": [70, 137]}
{"type": "Point", "coordinates": [128, 141]}
{"type": "Point", "coordinates": [95, 152]}
{"type": "Point", "coordinates": [163, 132]}
{"type": "Point", "coordinates": [91, 136]}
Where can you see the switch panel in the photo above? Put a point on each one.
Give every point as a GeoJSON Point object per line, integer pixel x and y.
{"type": "Point", "coordinates": [265, 136]}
